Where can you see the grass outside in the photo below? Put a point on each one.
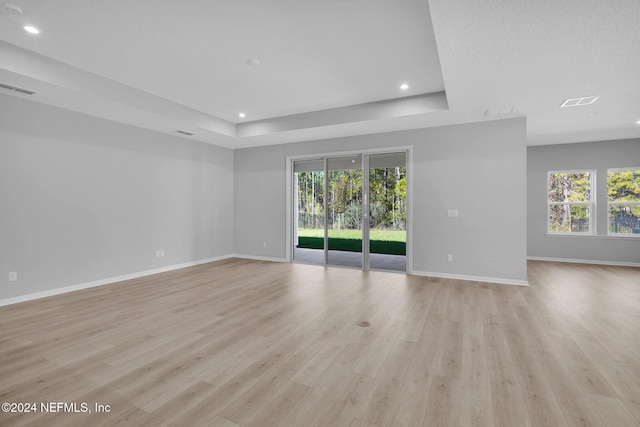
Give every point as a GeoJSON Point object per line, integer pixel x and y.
{"type": "Point", "coordinates": [382, 241]}
{"type": "Point", "coordinates": [379, 235]}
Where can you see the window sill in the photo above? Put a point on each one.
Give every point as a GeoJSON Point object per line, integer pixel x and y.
{"type": "Point", "coordinates": [594, 236]}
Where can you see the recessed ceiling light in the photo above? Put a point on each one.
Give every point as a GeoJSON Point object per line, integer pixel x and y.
{"type": "Point", "coordinates": [242, 115]}
{"type": "Point", "coordinates": [576, 102]}
{"type": "Point", "coordinates": [404, 86]}
{"type": "Point", "coordinates": [31, 29]}
{"type": "Point", "coordinates": [252, 61]}
{"type": "Point", "coordinates": [638, 122]}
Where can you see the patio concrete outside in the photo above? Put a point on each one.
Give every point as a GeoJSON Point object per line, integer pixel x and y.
{"type": "Point", "coordinates": [351, 259]}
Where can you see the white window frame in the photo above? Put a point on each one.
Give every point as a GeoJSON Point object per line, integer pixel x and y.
{"type": "Point", "coordinates": [289, 197]}
{"type": "Point", "coordinates": [591, 203]}
{"type": "Point", "coordinates": [609, 203]}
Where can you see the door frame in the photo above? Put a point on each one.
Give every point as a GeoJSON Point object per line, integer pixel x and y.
{"type": "Point", "coordinates": [289, 197]}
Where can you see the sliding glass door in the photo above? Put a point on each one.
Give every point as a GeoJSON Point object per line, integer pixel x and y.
{"type": "Point", "coordinates": [388, 211]}
{"type": "Point", "coordinates": [344, 211]}
{"type": "Point", "coordinates": [351, 211]}
{"type": "Point", "coordinates": [309, 211]}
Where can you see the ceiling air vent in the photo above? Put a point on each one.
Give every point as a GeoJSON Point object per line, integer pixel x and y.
{"type": "Point", "coordinates": [498, 111]}
{"type": "Point", "coordinates": [184, 132]}
{"type": "Point", "coordinates": [575, 102]}
{"type": "Point", "coordinates": [16, 89]}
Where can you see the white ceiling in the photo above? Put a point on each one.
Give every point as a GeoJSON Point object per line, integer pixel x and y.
{"type": "Point", "coordinates": [330, 68]}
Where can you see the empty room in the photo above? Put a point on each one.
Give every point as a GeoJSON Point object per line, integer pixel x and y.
{"type": "Point", "coordinates": [319, 213]}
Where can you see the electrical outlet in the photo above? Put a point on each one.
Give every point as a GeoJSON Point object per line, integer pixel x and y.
{"type": "Point", "coordinates": [264, 244]}
{"type": "Point", "coordinates": [158, 253]}
{"type": "Point", "coordinates": [13, 276]}
{"type": "Point", "coordinates": [452, 213]}
{"type": "Point", "coordinates": [161, 252]}
{"type": "Point", "coordinates": [450, 257]}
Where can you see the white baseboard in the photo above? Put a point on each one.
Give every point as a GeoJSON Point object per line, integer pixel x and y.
{"type": "Point", "coordinates": [57, 291]}
{"type": "Point", "coordinates": [259, 258]}
{"type": "Point", "coordinates": [585, 261]}
{"type": "Point", "coordinates": [498, 280]}
{"type": "Point", "coordinates": [95, 283]}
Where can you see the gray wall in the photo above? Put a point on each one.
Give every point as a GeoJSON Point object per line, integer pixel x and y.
{"type": "Point", "coordinates": [588, 155]}
{"type": "Point", "coordinates": [479, 169]}
{"type": "Point", "coordinates": [84, 199]}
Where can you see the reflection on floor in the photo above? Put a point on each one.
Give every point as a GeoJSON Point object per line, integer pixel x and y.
{"type": "Point", "coordinates": [351, 259]}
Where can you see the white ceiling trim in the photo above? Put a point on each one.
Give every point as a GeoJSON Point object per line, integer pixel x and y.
{"type": "Point", "coordinates": [389, 108]}
{"type": "Point", "coordinates": [65, 86]}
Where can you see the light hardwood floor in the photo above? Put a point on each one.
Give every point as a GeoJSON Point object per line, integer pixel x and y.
{"type": "Point", "coordinates": [250, 343]}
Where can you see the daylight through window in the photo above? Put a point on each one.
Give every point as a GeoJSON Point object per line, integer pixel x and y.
{"type": "Point", "coordinates": [570, 202]}
{"type": "Point", "coordinates": [623, 201]}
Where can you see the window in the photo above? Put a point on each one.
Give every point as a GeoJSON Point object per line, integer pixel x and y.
{"type": "Point", "coordinates": [623, 201]}
{"type": "Point", "coordinates": [570, 201]}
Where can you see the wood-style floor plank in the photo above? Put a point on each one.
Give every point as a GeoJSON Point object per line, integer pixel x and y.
{"type": "Point", "coordinates": [476, 401]}
{"type": "Point", "coordinates": [240, 343]}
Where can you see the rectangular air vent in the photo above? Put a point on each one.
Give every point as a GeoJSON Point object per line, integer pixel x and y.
{"type": "Point", "coordinates": [575, 102]}
{"type": "Point", "coordinates": [16, 89]}
{"type": "Point", "coordinates": [184, 132]}
{"type": "Point", "coordinates": [498, 111]}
